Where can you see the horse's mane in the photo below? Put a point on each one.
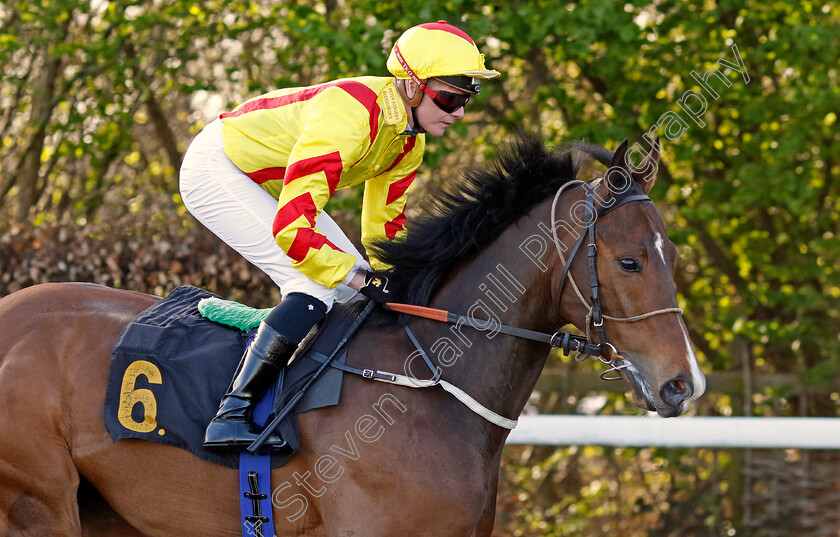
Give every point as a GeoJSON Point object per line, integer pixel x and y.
{"type": "Point", "coordinates": [462, 217]}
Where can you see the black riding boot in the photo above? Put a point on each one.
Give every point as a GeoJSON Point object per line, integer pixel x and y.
{"type": "Point", "coordinates": [262, 362]}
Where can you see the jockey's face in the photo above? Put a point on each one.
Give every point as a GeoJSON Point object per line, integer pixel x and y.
{"type": "Point", "coordinates": [434, 120]}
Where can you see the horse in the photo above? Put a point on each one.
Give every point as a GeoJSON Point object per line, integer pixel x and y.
{"type": "Point", "coordinates": [497, 244]}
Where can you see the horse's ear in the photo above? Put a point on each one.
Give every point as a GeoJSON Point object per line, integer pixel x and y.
{"type": "Point", "coordinates": [617, 178]}
{"type": "Point", "coordinates": [645, 173]}
{"type": "Point", "coordinates": [619, 156]}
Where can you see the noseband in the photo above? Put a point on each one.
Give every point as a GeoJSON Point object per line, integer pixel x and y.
{"type": "Point", "coordinates": [595, 314]}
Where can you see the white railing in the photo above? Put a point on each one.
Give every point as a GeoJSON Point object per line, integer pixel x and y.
{"type": "Point", "coordinates": [644, 431]}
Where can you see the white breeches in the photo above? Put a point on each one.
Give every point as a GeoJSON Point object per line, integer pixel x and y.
{"type": "Point", "coordinates": [241, 213]}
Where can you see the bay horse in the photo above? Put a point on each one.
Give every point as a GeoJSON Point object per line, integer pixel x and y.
{"type": "Point", "coordinates": [388, 460]}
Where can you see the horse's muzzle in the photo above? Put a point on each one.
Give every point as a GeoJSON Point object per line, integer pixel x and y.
{"type": "Point", "coordinates": [674, 394]}
{"type": "Point", "coordinates": [676, 391]}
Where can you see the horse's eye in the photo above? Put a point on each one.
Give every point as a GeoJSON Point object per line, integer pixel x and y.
{"type": "Point", "coordinates": [628, 264]}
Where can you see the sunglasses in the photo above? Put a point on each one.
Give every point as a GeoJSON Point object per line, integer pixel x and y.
{"type": "Point", "coordinates": [446, 100]}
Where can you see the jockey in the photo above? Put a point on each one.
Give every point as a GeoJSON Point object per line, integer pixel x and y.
{"type": "Point", "coordinates": [260, 175]}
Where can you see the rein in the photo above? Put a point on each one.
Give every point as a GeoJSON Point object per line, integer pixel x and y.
{"type": "Point", "coordinates": [563, 340]}
{"type": "Point", "coordinates": [568, 342]}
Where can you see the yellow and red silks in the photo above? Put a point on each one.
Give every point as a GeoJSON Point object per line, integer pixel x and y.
{"type": "Point", "coordinates": [301, 144]}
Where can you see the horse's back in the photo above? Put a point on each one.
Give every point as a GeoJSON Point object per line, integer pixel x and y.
{"type": "Point", "coordinates": [57, 326]}
{"type": "Point", "coordinates": [30, 304]}
{"type": "Point", "coordinates": [58, 336]}
{"type": "Point", "coordinates": [54, 362]}
{"type": "Point", "coordinates": [55, 350]}
{"type": "Point", "coordinates": [54, 368]}
{"type": "Point", "coordinates": [55, 345]}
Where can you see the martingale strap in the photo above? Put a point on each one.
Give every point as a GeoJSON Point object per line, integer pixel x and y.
{"type": "Point", "coordinates": [566, 341]}
{"type": "Point", "coordinates": [413, 382]}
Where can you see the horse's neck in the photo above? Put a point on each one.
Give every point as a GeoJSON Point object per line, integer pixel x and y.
{"type": "Point", "coordinates": [505, 286]}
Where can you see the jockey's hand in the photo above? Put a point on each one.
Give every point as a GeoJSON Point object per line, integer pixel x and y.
{"type": "Point", "coordinates": [380, 288]}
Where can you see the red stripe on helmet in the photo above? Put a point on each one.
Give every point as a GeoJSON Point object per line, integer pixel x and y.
{"type": "Point", "coordinates": [444, 26]}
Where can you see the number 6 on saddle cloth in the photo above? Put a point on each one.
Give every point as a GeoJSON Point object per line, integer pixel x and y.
{"type": "Point", "coordinates": [171, 366]}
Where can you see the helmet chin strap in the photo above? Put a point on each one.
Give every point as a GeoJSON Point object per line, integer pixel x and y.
{"type": "Point", "coordinates": [418, 128]}
{"type": "Point", "coordinates": [413, 102]}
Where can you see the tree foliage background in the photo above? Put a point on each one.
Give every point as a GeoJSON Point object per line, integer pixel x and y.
{"type": "Point", "coordinates": [99, 100]}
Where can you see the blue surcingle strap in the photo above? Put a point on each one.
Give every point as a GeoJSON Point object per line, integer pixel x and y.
{"type": "Point", "coordinates": [255, 481]}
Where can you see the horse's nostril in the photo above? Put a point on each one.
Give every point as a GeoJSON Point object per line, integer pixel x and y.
{"type": "Point", "coordinates": [676, 390]}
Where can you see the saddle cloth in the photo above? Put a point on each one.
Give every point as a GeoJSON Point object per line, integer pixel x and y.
{"type": "Point", "coordinates": [170, 368]}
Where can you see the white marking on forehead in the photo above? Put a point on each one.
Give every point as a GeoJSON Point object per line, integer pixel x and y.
{"type": "Point", "coordinates": [697, 377]}
{"type": "Point", "coordinates": [659, 244]}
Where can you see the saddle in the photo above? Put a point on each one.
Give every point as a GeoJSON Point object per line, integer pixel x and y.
{"type": "Point", "coordinates": [171, 366]}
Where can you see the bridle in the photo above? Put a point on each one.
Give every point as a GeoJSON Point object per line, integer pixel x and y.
{"type": "Point", "coordinates": [568, 342]}
{"type": "Point", "coordinates": [608, 355]}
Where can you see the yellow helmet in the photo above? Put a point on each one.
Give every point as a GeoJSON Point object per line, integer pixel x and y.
{"type": "Point", "coordinates": [438, 49]}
